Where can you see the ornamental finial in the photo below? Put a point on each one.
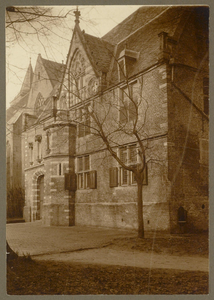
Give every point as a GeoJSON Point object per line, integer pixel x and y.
{"type": "Point", "coordinates": [77, 15]}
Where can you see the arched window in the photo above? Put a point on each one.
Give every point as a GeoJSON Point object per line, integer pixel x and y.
{"type": "Point", "coordinates": [76, 80]}
{"type": "Point", "coordinates": [39, 104]}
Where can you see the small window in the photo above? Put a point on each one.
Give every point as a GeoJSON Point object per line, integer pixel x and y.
{"type": "Point", "coordinates": [60, 169]}
{"type": "Point", "coordinates": [128, 104]}
{"type": "Point", "coordinates": [113, 177]}
{"type": "Point", "coordinates": [129, 156]}
{"type": "Point", "coordinates": [31, 153]}
{"type": "Point", "coordinates": [123, 154]}
{"type": "Point", "coordinates": [133, 154]}
{"type": "Point", "coordinates": [87, 167]}
{"type": "Point", "coordinates": [80, 164]}
{"type": "Point", "coordinates": [84, 122]}
{"type": "Point", "coordinates": [86, 178]}
{"type": "Point", "coordinates": [124, 176]}
{"type": "Point", "coordinates": [133, 178]}
{"type": "Point", "coordinates": [80, 181]}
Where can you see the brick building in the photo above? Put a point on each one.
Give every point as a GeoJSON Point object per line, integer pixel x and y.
{"type": "Point", "coordinates": [153, 68]}
{"type": "Point", "coordinates": [23, 111]}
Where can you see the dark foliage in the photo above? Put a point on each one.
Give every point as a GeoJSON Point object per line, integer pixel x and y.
{"type": "Point", "coordinates": [15, 202]}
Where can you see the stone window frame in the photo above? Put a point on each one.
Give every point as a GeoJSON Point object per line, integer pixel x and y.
{"type": "Point", "coordinates": [121, 69]}
{"type": "Point", "coordinates": [83, 169]}
{"type": "Point", "coordinates": [127, 114]}
{"type": "Point", "coordinates": [39, 103]}
{"type": "Point", "coordinates": [129, 162]}
{"type": "Point", "coordinates": [60, 165]}
{"type": "Point", "coordinates": [86, 178]}
{"type": "Point", "coordinates": [30, 146]}
{"type": "Point", "coordinates": [38, 140]}
{"type": "Point", "coordinates": [76, 79]}
{"type": "Point", "coordinates": [84, 121]}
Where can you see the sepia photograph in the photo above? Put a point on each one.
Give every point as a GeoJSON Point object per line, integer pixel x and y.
{"type": "Point", "coordinates": [107, 149]}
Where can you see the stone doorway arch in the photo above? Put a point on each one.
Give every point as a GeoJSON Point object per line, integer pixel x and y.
{"type": "Point", "coordinates": [38, 195]}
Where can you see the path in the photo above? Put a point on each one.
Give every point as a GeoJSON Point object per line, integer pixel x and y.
{"type": "Point", "coordinates": [108, 256]}
{"type": "Point", "coordinates": [64, 244]}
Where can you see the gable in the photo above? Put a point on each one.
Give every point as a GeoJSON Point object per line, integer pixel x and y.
{"type": "Point", "coordinates": [47, 74]}
{"type": "Point", "coordinates": [78, 75]}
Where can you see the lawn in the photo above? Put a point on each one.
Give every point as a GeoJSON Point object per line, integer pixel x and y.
{"type": "Point", "coordinates": [28, 277]}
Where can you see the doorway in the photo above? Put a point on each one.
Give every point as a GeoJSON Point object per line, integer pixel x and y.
{"type": "Point", "coordinates": [40, 196]}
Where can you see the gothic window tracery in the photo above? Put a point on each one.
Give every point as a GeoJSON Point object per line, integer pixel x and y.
{"type": "Point", "coordinates": [92, 87]}
{"type": "Point", "coordinates": [76, 79]}
{"type": "Point", "coordinates": [40, 101]}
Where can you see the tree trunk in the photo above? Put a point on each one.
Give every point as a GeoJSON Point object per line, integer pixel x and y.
{"type": "Point", "coordinates": [140, 209]}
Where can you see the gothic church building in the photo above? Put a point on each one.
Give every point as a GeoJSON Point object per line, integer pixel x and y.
{"type": "Point", "coordinates": [158, 56]}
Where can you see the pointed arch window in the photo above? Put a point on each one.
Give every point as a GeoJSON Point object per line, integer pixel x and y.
{"type": "Point", "coordinates": [40, 101]}
{"type": "Point", "coordinates": [76, 79]}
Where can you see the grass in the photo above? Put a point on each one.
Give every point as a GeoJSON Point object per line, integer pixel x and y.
{"type": "Point", "coordinates": [28, 277]}
{"type": "Point", "coordinates": [174, 244]}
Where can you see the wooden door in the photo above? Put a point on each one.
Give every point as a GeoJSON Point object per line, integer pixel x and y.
{"type": "Point", "coordinates": [40, 197]}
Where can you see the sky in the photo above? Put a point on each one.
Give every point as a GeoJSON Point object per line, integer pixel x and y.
{"type": "Point", "coordinates": [95, 20]}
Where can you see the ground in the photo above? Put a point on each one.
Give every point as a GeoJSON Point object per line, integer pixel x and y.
{"type": "Point", "coordinates": [55, 278]}
{"type": "Point", "coordinates": [181, 267]}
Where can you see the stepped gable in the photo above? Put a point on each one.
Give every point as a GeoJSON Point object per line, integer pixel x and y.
{"type": "Point", "coordinates": [100, 51]}
{"type": "Point", "coordinates": [54, 70]}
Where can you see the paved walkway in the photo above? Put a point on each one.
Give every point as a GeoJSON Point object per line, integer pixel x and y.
{"type": "Point", "coordinates": [85, 245]}
{"type": "Point", "coordinates": [33, 238]}
{"type": "Point", "coordinates": [106, 256]}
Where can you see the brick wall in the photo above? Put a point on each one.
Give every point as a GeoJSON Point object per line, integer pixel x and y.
{"type": "Point", "coordinates": [187, 126]}
{"type": "Point", "coordinates": [117, 207]}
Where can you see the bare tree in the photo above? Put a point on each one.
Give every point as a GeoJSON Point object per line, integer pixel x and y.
{"type": "Point", "coordinates": [30, 20]}
{"type": "Point", "coordinates": [114, 119]}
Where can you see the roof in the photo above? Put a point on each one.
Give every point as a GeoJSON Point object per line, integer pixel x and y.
{"type": "Point", "coordinates": [14, 118]}
{"type": "Point", "coordinates": [21, 102]}
{"type": "Point", "coordinates": [100, 51]}
{"type": "Point", "coordinates": [141, 34]}
{"type": "Point", "coordinates": [46, 109]}
{"type": "Point", "coordinates": [26, 85]}
{"type": "Point", "coordinates": [133, 22]}
{"type": "Point", "coordinates": [54, 70]}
